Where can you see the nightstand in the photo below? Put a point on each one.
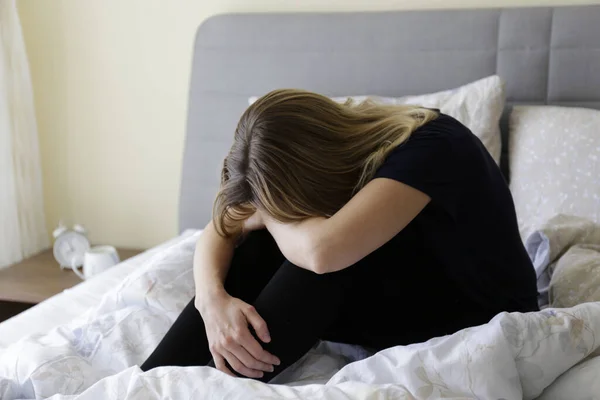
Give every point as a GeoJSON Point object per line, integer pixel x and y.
{"type": "Point", "coordinates": [37, 278]}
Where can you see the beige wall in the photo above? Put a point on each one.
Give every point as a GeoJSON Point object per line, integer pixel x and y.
{"type": "Point", "coordinates": [110, 80]}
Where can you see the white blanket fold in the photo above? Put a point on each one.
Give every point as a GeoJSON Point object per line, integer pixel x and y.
{"type": "Point", "coordinates": [565, 253]}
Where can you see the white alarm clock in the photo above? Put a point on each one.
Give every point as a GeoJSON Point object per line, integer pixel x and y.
{"type": "Point", "coordinates": [70, 246]}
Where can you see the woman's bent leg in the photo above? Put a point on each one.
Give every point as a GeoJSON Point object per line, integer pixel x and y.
{"type": "Point", "coordinates": [299, 306]}
{"type": "Point", "coordinates": [253, 264]}
{"type": "Point", "coordinates": [369, 304]}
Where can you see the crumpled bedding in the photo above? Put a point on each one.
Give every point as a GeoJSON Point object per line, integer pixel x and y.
{"type": "Point", "coordinates": [566, 256]}
{"type": "Point", "coordinates": [514, 356]}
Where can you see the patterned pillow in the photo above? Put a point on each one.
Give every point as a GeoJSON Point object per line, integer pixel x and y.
{"type": "Point", "coordinates": [554, 160]}
{"type": "Point", "coordinates": [477, 105]}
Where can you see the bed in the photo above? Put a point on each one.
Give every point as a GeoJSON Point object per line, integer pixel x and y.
{"type": "Point", "coordinates": [544, 55]}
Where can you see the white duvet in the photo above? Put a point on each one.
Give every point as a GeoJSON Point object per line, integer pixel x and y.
{"type": "Point", "coordinates": [515, 356]}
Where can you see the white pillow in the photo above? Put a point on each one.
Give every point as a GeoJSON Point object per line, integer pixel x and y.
{"type": "Point", "coordinates": [554, 160]}
{"type": "Point", "coordinates": [478, 105]}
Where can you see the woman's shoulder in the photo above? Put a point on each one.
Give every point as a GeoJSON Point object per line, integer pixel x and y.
{"type": "Point", "coordinates": [439, 132]}
{"type": "Point", "coordinates": [444, 132]}
{"type": "Point", "coordinates": [442, 142]}
{"type": "Point", "coordinates": [444, 123]}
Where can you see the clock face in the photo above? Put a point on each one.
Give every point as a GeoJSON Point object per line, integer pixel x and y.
{"type": "Point", "coordinates": [69, 249]}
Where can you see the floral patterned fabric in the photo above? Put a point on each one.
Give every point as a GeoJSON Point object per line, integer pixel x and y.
{"type": "Point", "coordinates": [514, 356]}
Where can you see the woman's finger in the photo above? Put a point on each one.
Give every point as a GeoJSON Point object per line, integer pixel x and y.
{"type": "Point", "coordinates": [249, 360]}
{"type": "Point", "coordinates": [249, 343]}
{"type": "Point", "coordinates": [237, 365]}
{"type": "Point", "coordinates": [253, 347]}
{"type": "Point", "coordinates": [220, 364]}
{"type": "Point", "coordinates": [258, 323]}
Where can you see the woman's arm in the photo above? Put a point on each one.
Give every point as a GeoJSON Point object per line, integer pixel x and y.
{"type": "Point", "coordinates": [211, 262]}
{"type": "Point", "coordinates": [212, 258]}
{"type": "Point", "coordinates": [378, 212]}
{"type": "Point", "coordinates": [226, 318]}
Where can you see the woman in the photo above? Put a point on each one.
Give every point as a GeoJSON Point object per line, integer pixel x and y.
{"type": "Point", "coordinates": [385, 225]}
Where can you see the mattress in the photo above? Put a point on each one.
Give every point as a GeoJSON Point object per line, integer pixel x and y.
{"type": "Point", "coordinates": [73, 302]}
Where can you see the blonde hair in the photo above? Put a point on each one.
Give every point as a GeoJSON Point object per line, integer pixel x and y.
{"type": "Point", "coordinates": [298, 154]}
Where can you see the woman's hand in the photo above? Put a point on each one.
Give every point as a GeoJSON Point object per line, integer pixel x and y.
{"type": "Point", "coordinates": [226, 320]}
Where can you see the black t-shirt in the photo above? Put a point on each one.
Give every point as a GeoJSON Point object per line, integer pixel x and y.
{"type": "Point", "coordinates": [469, 228]}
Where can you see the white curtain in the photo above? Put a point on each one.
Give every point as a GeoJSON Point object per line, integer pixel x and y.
{"type": "Point", "coordinates": [22, 224]}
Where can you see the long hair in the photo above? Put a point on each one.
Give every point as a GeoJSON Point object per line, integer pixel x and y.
{"type": "Point", "coordinates": [298, 154]}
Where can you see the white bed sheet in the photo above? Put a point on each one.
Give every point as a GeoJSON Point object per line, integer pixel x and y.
{"type": "Point", "coordinates": [73, 302]}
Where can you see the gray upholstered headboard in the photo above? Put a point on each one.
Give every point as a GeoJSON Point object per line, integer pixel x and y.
{"type": "Point", "coordinates": [545, 55]}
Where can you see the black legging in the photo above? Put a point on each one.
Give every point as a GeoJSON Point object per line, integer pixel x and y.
{"type": "Point", "coordinates": [371, 303]}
